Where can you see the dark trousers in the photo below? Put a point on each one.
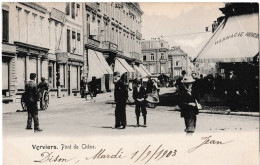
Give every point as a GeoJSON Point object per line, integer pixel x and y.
{"type": "Point", "coordinates": [120, 114]}
{"type": "Point", "coordinates": [140, 107]}
{"type": "Point", "coordinates": [190, 123]}
{"type": "Point", "coordinates": [32, 114]}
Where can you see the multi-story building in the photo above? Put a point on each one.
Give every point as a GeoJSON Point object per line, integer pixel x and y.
{"type": "Point", "coordinates": [112, 40]}
{"type": "Point", "coordinates": [35, 41]}
{"type": "Point", "coordinates": [155, 56]}
{"type": "Point", "coordinates": [179, 61]}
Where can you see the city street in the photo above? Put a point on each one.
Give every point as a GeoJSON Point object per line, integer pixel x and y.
{"type": "Point", "coordinates": [74, 116]}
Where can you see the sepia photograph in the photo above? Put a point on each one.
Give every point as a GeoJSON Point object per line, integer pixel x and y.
{"type": "Point", "coordinates": [130, 83]}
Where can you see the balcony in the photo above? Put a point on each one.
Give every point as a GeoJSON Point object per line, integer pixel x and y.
{"type": "Point", "coordinates": [93, 5]}
{"type": "Point", "coordinates": [109, 46]}
{"type": "Point", "coordinates": [89, 42]}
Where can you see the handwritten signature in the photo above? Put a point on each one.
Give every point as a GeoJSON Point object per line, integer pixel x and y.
{"type": "Point", "coordinates": [208, 141]}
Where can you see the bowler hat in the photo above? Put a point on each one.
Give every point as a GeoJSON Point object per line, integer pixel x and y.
{"type": "Point", "coordinates": [187, 79]}
{"type": "Point", "coordinates": [138, 81]}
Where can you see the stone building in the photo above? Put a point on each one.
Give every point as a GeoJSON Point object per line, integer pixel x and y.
{"type": "Point", "coordinates": [180, 61]}
{"type": "Point", "coordinates": [112, 40]}
{"type": "Point", "coordinates": [35, 41]}
{"type": "Point", "coordinates": [155, 56]}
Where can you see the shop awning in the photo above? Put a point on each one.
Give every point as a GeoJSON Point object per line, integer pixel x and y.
{"type": "Point", "coordinates": [142, 66]}
{"type": "Point", "coordinates": [122, 66]}
{"type": "Point", "coordinates": [235, 40]}
{"type": "Point", "coordinates": [140, 71]}
{"type": "Point", "coordinates": [97, 65]}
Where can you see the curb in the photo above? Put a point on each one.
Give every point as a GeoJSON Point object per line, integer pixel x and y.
{"type": "Point", "coordinates": [253, 114]}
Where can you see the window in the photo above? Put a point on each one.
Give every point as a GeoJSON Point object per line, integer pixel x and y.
{"type": "Point", "coordinates": [68, 41]}
{"type": "Point", "coordinates": [161, 44]}
{"type": "Point", "coordinates": [152, 57]}
{"type": "Point", "coordinates": [144, 58]}
{"type": "Point", "coordinates": [78, 36]}
{"type": "Point", "coordinates": [177, 63]}
{"type": "Point", "coordinates": [67, 8]}
{"type": "Point", "coordinates": [162, 56]}
{"type": "Point", "coordinates": [5, 25]}
{"type": "Point", "coordinates": [78, 8]}
{"type": "Point", "coordinates": [73, 10]}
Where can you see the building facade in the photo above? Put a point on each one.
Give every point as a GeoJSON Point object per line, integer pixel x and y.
{"type": "Point", "coordinates": [180, 61]}
{"type": "Point", "coordinates": [155, 56]}
{"type": "Point", "coordinates": [112, 31]}
{"type": "Point", "coordinates": [35, 41]}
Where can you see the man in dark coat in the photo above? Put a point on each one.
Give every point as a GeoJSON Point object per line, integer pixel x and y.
{"type": "Point", "coordinates": [93, 86]}
{"type": "Point", "coordinates": [179, 84]}
{"type": "Point", "coordinates": [121, 96]}
{"type": "Point", "coordinates": [149, 88]}
{"type": "Point", "coordinates": [82, 87]}
{"type": "Point", "coordinates": [31, 98]}
{"type": "Point", "coordinates": [232, 92]}
{"type": "Point", "coordinates": [139, 95]}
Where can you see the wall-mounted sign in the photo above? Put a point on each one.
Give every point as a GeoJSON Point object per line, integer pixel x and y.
{"type": "Point", "coordinates": [57, 15]}
{"type": "Point", "coordinates": [62, 57]}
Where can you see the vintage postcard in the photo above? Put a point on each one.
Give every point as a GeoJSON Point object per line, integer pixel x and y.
{"type": "Point", "coordinates": [130, 83]}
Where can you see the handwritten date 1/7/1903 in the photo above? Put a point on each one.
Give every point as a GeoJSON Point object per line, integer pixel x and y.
{"type": "Point", "coordinates": [143, 155]}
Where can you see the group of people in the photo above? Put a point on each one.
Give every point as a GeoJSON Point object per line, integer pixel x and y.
{"type": "Point", "coordinates": [32, 94]}
{"type": "Point", "coordinates": [90, 88]}
{"type": "Point", "coordinates": [139, 96]}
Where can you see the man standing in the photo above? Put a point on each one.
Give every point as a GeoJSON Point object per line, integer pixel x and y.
{"type": "Point", "coordinates": [149, 88]}
{"type": "Point", "coordinates": [43, 86]}
{"type": "Point", "coordinates": [139, 95]}
{"type": "Point", "coordinates": [231, 91]}
{"type": "Point", "coordinates": [121, 96]}
{"type": "Point", "coordinates": [179, 84]}
{"type": "Point", "coordinates": [31, 98]}
{"type": "Point", "coordinates": [82, 87]}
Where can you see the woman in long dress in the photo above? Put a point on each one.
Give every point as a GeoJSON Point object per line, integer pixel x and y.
{"type": "Point", "coordinates": [188, 105]}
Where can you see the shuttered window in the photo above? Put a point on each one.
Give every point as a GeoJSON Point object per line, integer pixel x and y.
{"type": "Point", "coordinates": [67, 8]}
{"type": "Point", "coordinates": [5, 25]}
{"type": "Point", "coordinates": [68, 41]}
{"type": "Point", "coordinates": [73, 10]}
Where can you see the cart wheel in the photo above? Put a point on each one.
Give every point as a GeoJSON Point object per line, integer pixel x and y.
{"type": "Point", "coordinates": [23, 104]}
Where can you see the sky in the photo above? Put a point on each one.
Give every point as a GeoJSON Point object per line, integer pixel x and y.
{"type": "Point", "coordinates": [171, 18]}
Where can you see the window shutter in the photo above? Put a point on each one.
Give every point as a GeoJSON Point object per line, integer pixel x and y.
{"type": "Point", "coordinates": [67, 8]}
{"type": "Point", "coordinates": [73, 35]}
{"type": "Point", "coordinates": [73, 10]}
{"type": "Point", "coordinates": [5, 23]}
{"type": "Point", "coordinates": [68, 40]}
{"type": "Point", "coordinates": [78, 36]}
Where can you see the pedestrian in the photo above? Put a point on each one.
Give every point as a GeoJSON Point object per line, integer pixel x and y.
{"type": "Point", "coordinates": [178, 83]}
{"type": "Point", "coordinates": [93, 86]}
{"type": "Point", "coordinates": [232, 92]}
{"type": "Point", "coordinates": [139, 95]}
{"type": "Point", "coordinates": [121, 96]}
{"type": "Point", "coordinates": [150, 83]}
{"type": "Point", "coordinates": [31, 98]}
{"type": "Point", "coordinates": [188, 105]}
{"type": "Point", "coordinates": [82, 87]}
{"type": "Point", "coordinates": [195, 86]}
{"type": "Point", "coordinates": [42, 87]}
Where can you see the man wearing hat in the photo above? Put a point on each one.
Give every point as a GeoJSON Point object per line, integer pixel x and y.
{"type": "Point", "coordinates": [121, 96]}
{"type": "Point", "coordinates": [232, 91]}
{"type": "Point", "coordinates": [31, 98]}
{"type": "Point", "coordinates": [139, 95]}
{"type": "Point", "coordinates": [188, 105]}
{"type": "Point", "coordinates": [43, 86]}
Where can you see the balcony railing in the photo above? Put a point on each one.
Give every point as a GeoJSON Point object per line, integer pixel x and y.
{"type": "Point", "coordinates": [91, 42]}
{"type": "Point", "coordinates": [109, 45]}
